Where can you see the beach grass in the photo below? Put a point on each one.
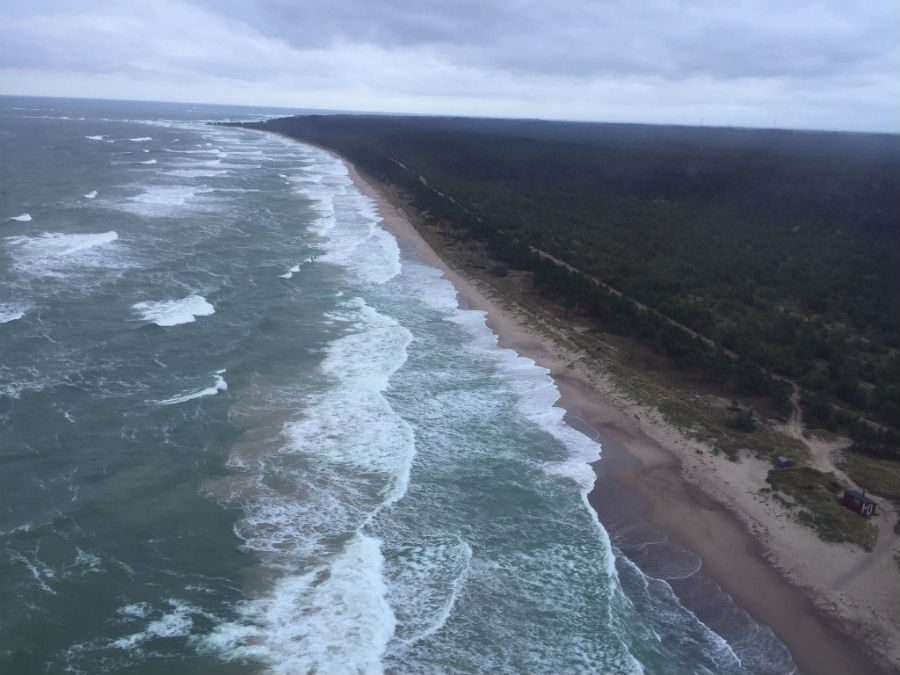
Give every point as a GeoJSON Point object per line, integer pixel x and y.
{"type": "Point", "coordinates": [881, 476]}
{"type": "Point", "coordinates": [814, 496]}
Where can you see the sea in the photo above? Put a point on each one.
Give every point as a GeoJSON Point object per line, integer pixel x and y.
{"type": "Point", "coordinates": [244, 430]}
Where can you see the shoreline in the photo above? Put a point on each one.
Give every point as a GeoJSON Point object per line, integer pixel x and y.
{"type": "Point", "coordinates": [680, 510]}
{"type": "Point", "coordinates": [650, 470]}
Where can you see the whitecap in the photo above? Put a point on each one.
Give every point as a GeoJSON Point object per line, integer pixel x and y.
{"type": "Point", "coordinates": [56, 244]}
{"type": "Point", "coordinates": [136, 610]}
{"type": "Point", "coordinates": [220, 385]}
{"type": "Point", "coordinates": [333, 616]}
{"type": "Point", "coordinates": [142, 139]}
{"type": "Point", "coordinates": [334, 619]}
{"type": "Point", "coordinates": [290, 273]}
{"type": "Point", "coordinates": [89, 561]}
{"type": "Point", "coordinates": [193, 173]}
{"type": "Point", "coordinates": [10, 312]}
{"type": "Point", "coordinates": [91, 195]}
{"type": "Point", "coordinates": [46, 253]}
{"type": "Point", "coordinates": [175, 623]}
{"type": "Point", "coordinates": [24, 218]}
{"type": "Point", "coordinates": [175, 312]}
{"type": "Point", "coordinates": [149, 161]}
{"type": "Point", "coordinates": [160, 201]}
{"type": "Point", "coordinates": [95, 138]}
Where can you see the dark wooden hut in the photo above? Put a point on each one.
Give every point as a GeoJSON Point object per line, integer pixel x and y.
{"type": "Point", "coordinates": [857, 501]}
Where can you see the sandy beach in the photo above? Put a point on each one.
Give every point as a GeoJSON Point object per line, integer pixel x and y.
{"type": "Point", "coordinates": [776, 570]}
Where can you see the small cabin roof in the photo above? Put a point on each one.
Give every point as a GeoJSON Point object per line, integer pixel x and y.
{"type": "Point", "coordinates": [856, 494]}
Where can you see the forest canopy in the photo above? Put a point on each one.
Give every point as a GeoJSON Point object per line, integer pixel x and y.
{"type": "Point", "coordinates": [782, 247]}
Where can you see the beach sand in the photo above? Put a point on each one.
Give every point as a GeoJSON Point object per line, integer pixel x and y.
{"type": "Point", "coordinates": [662, 476]}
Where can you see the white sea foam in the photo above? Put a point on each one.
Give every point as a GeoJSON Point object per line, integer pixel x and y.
{"type": "Point", "coordinates": [220, 385]}
{"type": "Point", "coordinates": [142, 139]}
{"type": "Point", "coordinates": [95, 138]}
{"type": "Point", "coordinates": [206, 151]}
{"type": "Point", "coordinates": [149, 161]}
{"type": "Point", "coordinates": [91, 195]}
{"type": "Point", "coordinates": [194, 173]}
{"type": "Point", "coordinates": [296, 268]}
{"type": "Point", "coordinates": [52, 252]}
{"type": "Point", "coordinates": [291, 272]}
{"type": "Point", "coordinates": [371, 436]}
{"type": "Point", "coordinates": [24, 218]}
{"type": "Point", "coordinates": [333, 619]}
{"type": "Point", "coordinates": [11, 312]}
{"type": "Point", "coordinates": [161, 201]}
{"type": "Point", "coordinates": [136, 610]}
{"type": "Point", "coordinates": [174, 312]}
{"type": "Point", "coordinates": [177, 622]}
{"type": "Point", "coordinates": [425, 587]}
{"type": "Point", "coordinates": [89, 562]}
{"type": "Point", "coordinates": [536, 393]}
{"type": "Point", "coordinates": [40, 571]}
{"type": "Point", "coordinates": [333, 616]}
{"type": "Point", "coordinates": [359, 244]}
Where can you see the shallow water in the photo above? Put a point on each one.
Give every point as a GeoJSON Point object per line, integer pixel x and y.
{"type": "Point", "coordinates": [242, 433]}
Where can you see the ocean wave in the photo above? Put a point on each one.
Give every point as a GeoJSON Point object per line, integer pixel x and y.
{"type": "Point", "coordinates": [9, 312]}
{"type": "Point", "coordinates": [99, 137]}
{"type": "Point", "coordinates": [359, 244]}
{"type": "Point", "coordinates": [162, 201]}
{"type": "Point", "coordinates": [24, 218]}
{"type": "Point", "coordinates": [333, 619]}
{"type": "Point", "coordinates": [296, 268]}
{"type": "Point", "coordinates": [427, 581]}
{"type": "Point", "coordinates": [141, 139]}
{"type": "Point", "coordinates": [290, 273]}
{"type": "Point", "coordinates": [194, 173]}
{"type": "Point", "coordinates": [536, 392]}
{"type": "Point", "coordinates": [174, 623]}
{"type": "Point", "coordinates": [52, 252]}
{"type": "Point", "coordinates": [174, 312]}
{"type": "Point", "coordinates": [361, 364]}
{"type": "Point", "coordinates": [220, 385]}
{"type": "Point", "coordinates": [204, 151]}
{"type": "Point", "coordinates": [349, 455]}
{"type": "Point", "coordinates": [91, 195]}
{"type": "Point", "coordinates": [149, 161]}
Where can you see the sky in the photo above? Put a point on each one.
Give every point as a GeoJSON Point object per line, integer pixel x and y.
{"type": "Point", "coordinates": [829, 64]}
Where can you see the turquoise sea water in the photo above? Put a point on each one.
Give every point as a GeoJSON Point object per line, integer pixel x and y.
{"type": "Point", "coordinates": [242, 431]}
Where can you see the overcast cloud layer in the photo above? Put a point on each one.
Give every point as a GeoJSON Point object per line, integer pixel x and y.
{"type": "Point", "coordinates": [828, 64]}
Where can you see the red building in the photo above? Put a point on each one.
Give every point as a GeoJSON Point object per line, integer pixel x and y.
{"type": "Point", "coordinates": [857, 501]}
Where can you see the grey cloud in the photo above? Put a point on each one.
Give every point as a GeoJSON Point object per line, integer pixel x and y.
{"type": "Point", "coordinates": [743, 61]}
{"type": "Point", "coordinates": [584, 38]}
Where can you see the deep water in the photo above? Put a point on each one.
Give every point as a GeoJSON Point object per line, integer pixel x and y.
{"type": "Point", "coordinates": [241, 432]}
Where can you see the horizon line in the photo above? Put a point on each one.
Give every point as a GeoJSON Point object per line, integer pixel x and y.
{"type": "Point", "coordinates": [335, 111]}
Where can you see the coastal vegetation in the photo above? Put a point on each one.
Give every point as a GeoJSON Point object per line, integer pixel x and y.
{"type": "Point", "coordinates": [761, 267]}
